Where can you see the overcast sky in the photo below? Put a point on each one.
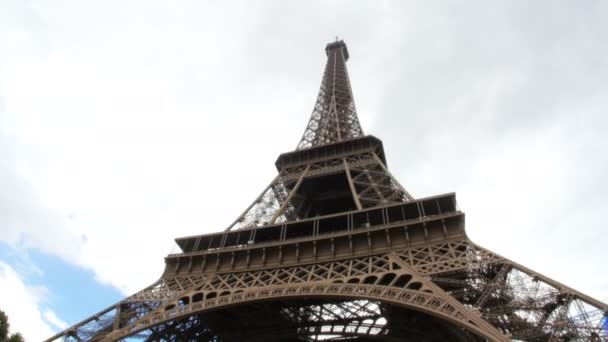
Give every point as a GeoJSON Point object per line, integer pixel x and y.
{"type": "Point", "coordinates": [125, 124]}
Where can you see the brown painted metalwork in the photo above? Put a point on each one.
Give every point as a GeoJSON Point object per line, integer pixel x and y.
{"type": "Point", "coordinates": [336, 248]}
{"type": "Point", "coordinates": [334, 117]}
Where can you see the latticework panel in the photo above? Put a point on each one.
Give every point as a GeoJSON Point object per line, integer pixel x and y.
{"type": "Point", "coordinates": [384, 278]}
{"type": "Point", "coordinates": [334, 117]}
{"type": "Point", "coordinates": [371, 185]}
{"type": "Point", "coordinates": [521, 303]}
{"type": "Point", "coordinates": [323, 320]}
{"type": "Point", "coordinates": [270, 207]}
{"type": "Point", "coordinates": [455, 281]}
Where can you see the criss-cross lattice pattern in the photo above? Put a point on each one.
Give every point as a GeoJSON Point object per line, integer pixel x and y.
{"type": "Point", "coordinates": [373, 185]}
{"type": "Point", "coordinates": [512, 299]}
{"type": "Point", "coordinates": [334, 117]}
{"type": "Point", "coordinates": [526, 305]}
{"type": "Point", "coordinates": [368, 277]}
{"type": "Point", "coordinates": [339, 318]}
{"type": "Point", "coordinates": [267, 208]}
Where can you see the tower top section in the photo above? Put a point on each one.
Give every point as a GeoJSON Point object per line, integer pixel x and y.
{"type": "Point", "coordinates": [338, 44]}
{"type": "Point", "coordinates": [334, 116]}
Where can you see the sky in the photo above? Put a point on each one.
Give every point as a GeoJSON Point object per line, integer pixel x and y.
{"type": "Point", "coordinates": [125, 124]}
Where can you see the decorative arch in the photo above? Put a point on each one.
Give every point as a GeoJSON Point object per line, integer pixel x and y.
{"type": "Point", "coordinates": [422, 301]}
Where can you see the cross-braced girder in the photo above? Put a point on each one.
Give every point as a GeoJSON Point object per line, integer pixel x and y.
{"type": "Point", "coordinates": [454, 280]}
{"type": "Point", "coordinates": [334, 117]}
{"type": "Point", "coordinates": [367, 183]}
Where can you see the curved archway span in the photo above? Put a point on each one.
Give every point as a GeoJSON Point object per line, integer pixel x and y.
{"type": "Point", "coordinates": [425, 302]}
{"type": "Point", "coordinates": [312, 319]}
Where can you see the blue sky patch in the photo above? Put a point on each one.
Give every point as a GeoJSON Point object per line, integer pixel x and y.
{"type": "Point", "coordinates": [73, 293]}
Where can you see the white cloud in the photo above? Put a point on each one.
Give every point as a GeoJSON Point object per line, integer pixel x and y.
{"type": "Point", "coordinates": [22, 304]}
{"type": "Point", "coordinates": [52, 318]}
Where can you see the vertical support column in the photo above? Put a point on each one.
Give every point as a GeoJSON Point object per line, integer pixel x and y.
{"type": "Point", "coordinates": [407, 194]}
{"type": "Point", "coordinates": [290, 196]}
{"type": "Point", "coordinates": [352, 185]}
{"type": "Point", "coordinates": [116, 324]}
{"type": "Point", "coordinates": [373, 185]}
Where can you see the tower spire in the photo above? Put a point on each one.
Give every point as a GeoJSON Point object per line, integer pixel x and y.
{"type": "Point", "coordinates": [334, 117]}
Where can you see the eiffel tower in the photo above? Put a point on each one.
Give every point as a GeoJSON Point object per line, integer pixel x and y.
{"type": "Point", "coordinates": [335, 248]}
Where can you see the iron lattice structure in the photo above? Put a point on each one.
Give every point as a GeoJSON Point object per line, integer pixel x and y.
{"type": "Point", "coordinates": [334, 249]}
